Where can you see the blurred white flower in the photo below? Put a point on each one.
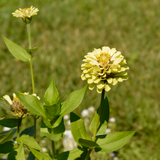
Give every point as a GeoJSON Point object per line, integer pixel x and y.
{"type": "Point", "coordinates": [85, 113]}
{"type": "Point", "coordinates": [112, 119]}
{"type": "Point", "coordinates": [15, 142]}
{"type": "Point", "coordinates": [44, 149]}
{"type": "Point", "coordinates": [66, 117]}
{"type": "Point", "coordinates": [115, 158]}
{"type": "Point", "coordinates": [6, 128]}
{"type": "Point", "coordinates": [108, 130]}
{"type": "Point", "coordinates": [43, 141]}
{"type": "Point", "coordinates": [68, 122]}
{"type": "Point", "coordinates": [68, 141]}
{"type": "Point", "coordinates": [91, 109]}
{"type": "Point", "coordinates": [112, 154]}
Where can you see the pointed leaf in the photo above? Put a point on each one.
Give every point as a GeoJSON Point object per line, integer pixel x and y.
{"type": "Point", "coordinates": [87, 143]}
{"type": "Point", "coordinates": [16, 50]}
{"type": "Point", "coordinates": [5, 137]}
{"type": "Point", "coordinates": [6, 147]}
{"type": "Point", "coordinates": [78, 128]}
{"type": "Point", "coordinates": [51, 95]}
{"type": "Point", "coordinates": [34, 48]}
{"type": "Point", "coordinates": [71, 103]}
{"type": "Point", "coordinates": [70, 155]}
{"type": "Point", "coordinates": [29, 141]}
{"type": "Point", "coordinates": [40, 155]}
{"type": "Point", "coordinates": [113, 141]}
{"type": "Point", "coordinates": [32, 104]}
{"type": "Point", "coordinates": [103, 118]}
{"type": "Point", "coordinates": [10, 122]}
{"type": "Point", "coordinates": [20, 155]}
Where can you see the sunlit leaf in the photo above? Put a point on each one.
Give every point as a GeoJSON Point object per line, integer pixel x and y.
{"type": "Point", "coordinates": [20, 155]}
{"type": "Point", "coordinates": [78, 128]}
{"type": "Point", "coordinates": [29, 141]}
{"type": "Point", "coordinates": [16, 50]}
{"type": "Point", "coordinates": [32, 104]}
{"type": "Point", "coordinates": [113, 141]}
{"type": "Point", "coordinates": [70, 155]}
{"type": "Point", "coordinates": [40, 155]}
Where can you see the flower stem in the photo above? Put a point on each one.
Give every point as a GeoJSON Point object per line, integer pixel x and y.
{"type": "Point", "coordinates": [53, 148]}
{"type": "Point", "coordinates": [18, 126]}
{"type": "Point", "coordinates": [99, 113]}
{"type": "Point", "coordinates": [31, 67]}
{"type": "Point", "coordinates": [97, 123]}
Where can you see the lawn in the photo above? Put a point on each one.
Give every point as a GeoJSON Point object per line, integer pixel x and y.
{"type": "Point", "coordinates": [71, 29]}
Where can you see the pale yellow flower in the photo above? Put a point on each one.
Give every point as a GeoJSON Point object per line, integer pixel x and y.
{"type": "Point", "coordinates": [103, 68]}
{"type": "Point", "coordinates": [26, 13]}
{"type": "Point", "coordinates": [16, 108]}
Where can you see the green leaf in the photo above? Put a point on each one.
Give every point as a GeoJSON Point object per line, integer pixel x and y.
{"type": "Point", "coordinates": [6, 147]}
{"type": "Point", "coordinates": [20, 155]}
{"type": "Point", "coordinates": [32, 104]}
{"type": "Point", "coordinates": [34, 48]}
{"type": "Point", "coordinates": [71, 103]}
{"type": "Point", "coordinates": [103, 118]}
{"type": "Point", "coordinates": [10, 122]}
{"type": "Point", "coordinates": [16, 50]}
{"type": "Point", "coordinates": [5, 137]}
{"type": "Point", "coordinates": [13, 129]}
{"type": "Point", "coordinates": [12, 155]}
{"type": "Point", "coordinates": [70, 155]}
{"type": "Point", "coordinates": [2, 118]}
{"type": "Point", "coordinates": [53, 135]}
{"type": "Point", "coordinates": [40, 155]}
{"type": "Point", "coordinates": [113, 141]}
{"type": "Point", "coordinates": [52, 110]}
{"type": "Point", "coordinates": [4, 105]}
{"type": "Point", "coordinates": [87, 143]}
{"type": "Point", "coordinates": [78, 128]}
{"type": "Point", "coordinates": [28, 131]}
{"type": "Point", "coordinates": [51, 95]}
{"type": "Point", "coordinates": [31, 156]}
{"type": "Point", "coordinates": [29, 141]}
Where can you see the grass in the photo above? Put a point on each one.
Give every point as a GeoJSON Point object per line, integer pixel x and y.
{"type": "Point", "coordinates": [71, 29]}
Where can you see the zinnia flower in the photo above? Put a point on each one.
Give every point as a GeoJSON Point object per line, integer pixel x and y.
{"type": "Point", "coordinates": [16, 108]}
{"type": "Point", "coordinates": [26, 13]}
{"type": "Point", "coordinates": [103, 68]}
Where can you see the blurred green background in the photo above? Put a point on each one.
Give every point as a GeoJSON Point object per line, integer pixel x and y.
{"type": "Point", "coordinates": [72, 28]}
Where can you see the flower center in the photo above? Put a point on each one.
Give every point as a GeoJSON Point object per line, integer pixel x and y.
{"type": "Point", "coordinates": [103, 59]}
{"type": "Point", "coordinates": [25, 9]}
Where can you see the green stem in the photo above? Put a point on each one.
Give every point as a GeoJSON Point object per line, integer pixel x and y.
{"type": "Point", "coordinates": [97, 123]}
{"type": "Point", "coordinates": [31, 67]}
{"type": "Point", "coordinates": [89, 152]}
{"type": "Point", "coordinates": [53, 148]}
{"type": "Point", "coordinates": [18, 126]}
{"type": "Point", "coordinates": [99, 113]}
